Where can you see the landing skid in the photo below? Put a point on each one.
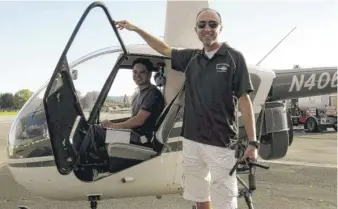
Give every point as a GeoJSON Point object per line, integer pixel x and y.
{"type": "Point", "coordinates": [243, 192]}
{"type": "Point", "coordinates": [92, 199]}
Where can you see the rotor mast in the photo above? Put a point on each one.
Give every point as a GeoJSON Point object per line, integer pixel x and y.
{"type": "Point", "coordinates": [179, 32]}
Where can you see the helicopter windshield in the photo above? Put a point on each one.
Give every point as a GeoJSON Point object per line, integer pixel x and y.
{"type": "Point", "coordinates": [29, 127]}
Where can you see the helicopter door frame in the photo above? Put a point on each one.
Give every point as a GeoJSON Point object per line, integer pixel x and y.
{"type": "Point", "coordinates": [61, 103]}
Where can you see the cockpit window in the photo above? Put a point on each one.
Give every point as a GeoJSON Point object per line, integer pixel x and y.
{"type": "Point", "coordinates": [92, 76]}
{"type": "Point", "coordinates": [118, 102]}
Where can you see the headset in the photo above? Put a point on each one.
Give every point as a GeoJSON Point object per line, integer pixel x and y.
{"type": "Point", "coordinates": [159, 77]}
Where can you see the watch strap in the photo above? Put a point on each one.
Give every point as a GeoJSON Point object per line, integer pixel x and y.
{"type": "Point", "coordinates": [254, 143]}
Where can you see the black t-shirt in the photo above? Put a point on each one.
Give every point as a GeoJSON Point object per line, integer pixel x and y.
{"type": "Point", "coordinates": [212, 89]}
{"type": "Point", "coordinates": [151, 100]}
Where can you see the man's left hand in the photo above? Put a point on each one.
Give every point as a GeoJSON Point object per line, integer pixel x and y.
{"type": "Point", "coordinates": [250, 152]}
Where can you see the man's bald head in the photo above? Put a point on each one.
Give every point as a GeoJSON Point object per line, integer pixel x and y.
{"type": "Point", "coordinates": [211, 10]}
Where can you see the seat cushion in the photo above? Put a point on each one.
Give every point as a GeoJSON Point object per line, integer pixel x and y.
{"type": "Point", "coordinates": [123, 156]}
{"type": "Point", "coordinates": [130, 151]}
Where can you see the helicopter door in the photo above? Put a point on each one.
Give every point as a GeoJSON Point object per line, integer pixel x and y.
{"type": "Point", "coordinates": [61, 108]}
{"type": "Point", "coordinates": [61, 102]}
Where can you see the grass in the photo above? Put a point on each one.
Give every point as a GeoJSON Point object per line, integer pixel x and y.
{"type": "Point", "coordinates": [8, 113]}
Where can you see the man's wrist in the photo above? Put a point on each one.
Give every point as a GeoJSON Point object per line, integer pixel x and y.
{"type": "Point", "coordinates": [254, 143]}
{"type": "Point", "coordinates": [112, 125]}
{"type": "Point", "coordinates": [253, 139]}
{"type": "Point", "coordinates": [137, 30]}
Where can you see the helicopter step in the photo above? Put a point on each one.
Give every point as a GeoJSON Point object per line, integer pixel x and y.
{"type": "Point", "coordinates": [93, 201]}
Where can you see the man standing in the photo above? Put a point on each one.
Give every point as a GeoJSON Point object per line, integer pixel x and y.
{"type": "Point", "coordinates": [216, 79]}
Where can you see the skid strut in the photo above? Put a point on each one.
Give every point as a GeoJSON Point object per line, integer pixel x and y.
{"type": "Point", "coordinates": [93, 201]}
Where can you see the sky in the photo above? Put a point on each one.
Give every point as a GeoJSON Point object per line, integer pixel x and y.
{"type": "Point", "coordinates": [34, 34]}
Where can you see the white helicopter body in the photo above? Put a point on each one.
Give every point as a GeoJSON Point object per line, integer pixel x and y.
{"type": "Point", "coordinates": [163, 173]}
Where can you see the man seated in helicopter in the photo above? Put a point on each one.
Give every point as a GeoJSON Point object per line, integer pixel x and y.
{"type": "Point", "coordinates": [147, 105]}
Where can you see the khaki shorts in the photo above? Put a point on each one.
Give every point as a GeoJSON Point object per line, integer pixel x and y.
{"type": "Point", "coordinates": [206, 175]}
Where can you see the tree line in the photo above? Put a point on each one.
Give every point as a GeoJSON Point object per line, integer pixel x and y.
{"type": "Point", "coordinates": [14, 102]}
{"type": "Point", "coordinates": [110, 104]}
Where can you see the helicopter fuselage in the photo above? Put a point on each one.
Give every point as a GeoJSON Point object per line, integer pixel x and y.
{"type": "Point", "coordinates": [31, 157]}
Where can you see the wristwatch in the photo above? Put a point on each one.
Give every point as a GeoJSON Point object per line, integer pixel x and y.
{"type": "Point", "coordinates": [254, 143]}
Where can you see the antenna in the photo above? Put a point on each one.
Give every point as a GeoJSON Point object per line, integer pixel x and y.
{"type": "Point", "coordinates": [275, 47]}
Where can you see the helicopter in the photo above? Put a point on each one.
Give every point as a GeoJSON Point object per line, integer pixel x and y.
{"type": "Point", "coordinates": [62, 150]}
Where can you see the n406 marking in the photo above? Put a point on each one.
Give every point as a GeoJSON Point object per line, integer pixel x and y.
{"type": "Point", "coordinates": [312, 81]}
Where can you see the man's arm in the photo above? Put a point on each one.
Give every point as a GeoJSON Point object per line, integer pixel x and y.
{"type": "Point", "coordinates": [151, 40]}
{"type": "Point", "coordinates": [147, 107]}
{"type": "Point", "coordinates": [246, 109]}
{"type": "Point", "coordinates": [132, 122]}
{"type": "Point", "coordinates": [154, 42]}
{"type": "Point", "coordinates": [179, 58]}
{"type": "Point", "coordinates": [242, 88]}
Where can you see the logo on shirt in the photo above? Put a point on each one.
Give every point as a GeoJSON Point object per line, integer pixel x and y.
{"type": "Point", "coordinates": [222, 67]}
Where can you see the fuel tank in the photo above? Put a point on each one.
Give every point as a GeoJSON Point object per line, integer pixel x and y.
{"type": "Point", "coordinates": [303, 82]}
{"type": "Point", "coordinates": [319, 102]}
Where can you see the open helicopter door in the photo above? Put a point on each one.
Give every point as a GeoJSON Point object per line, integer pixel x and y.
{"type": "Point", "coordinates": [61, 103]}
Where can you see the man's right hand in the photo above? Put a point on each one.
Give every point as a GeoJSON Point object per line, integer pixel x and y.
{"type": "Point", "coordinates": [125, 24]}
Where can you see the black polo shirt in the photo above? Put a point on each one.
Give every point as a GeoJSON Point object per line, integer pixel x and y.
{"type": "Point", "coordinates": [212, 89]}
{"type": "Point", "coordinates": [149, 99]}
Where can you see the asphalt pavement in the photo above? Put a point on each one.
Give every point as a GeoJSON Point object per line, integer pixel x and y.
{"type": "Point", "coordinates": [305, 179]}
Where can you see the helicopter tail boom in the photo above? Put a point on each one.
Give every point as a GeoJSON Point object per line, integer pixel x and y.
{"type": "Point", "coordinates": [303, 82]}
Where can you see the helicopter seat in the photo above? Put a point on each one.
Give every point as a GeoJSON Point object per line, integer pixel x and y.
{"type": "Point", "coordinates": [122, 154]}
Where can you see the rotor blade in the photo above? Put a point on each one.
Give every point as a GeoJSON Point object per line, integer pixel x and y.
{"type": "Point", "coordinates": [275, 47]}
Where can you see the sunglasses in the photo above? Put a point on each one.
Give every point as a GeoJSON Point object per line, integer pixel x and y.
{"type": "Point", "coordinates": [212, 24]}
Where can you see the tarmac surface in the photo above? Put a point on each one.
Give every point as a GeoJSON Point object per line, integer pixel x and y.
{"type": "Point", "coordinates": [305, 179]}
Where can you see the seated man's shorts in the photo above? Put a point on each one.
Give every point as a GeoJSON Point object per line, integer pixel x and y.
{"type": "Point", "coordinates": [206, 175]}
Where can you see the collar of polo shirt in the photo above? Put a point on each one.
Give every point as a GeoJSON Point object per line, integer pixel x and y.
{"type": "Point", "coordinates": [222, 50]}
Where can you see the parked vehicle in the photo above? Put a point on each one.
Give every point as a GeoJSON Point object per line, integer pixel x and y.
{"type": "Point", "coordinates": [316, 113]}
